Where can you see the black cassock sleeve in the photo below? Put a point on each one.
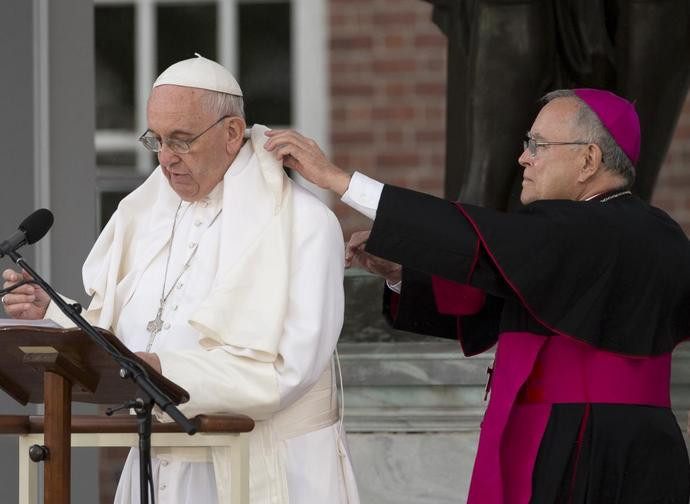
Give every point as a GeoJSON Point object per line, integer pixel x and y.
{"type": "Point", "coordinates": [415, 310]}
{"type": "Point", "coordinates": [432, 238]}
{"type": "Point", "coordinates": [612, 274]}
{"type": "Point", "coordinates": [423, 233]}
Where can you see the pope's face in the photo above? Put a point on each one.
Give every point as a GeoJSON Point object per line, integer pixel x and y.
{"type": "Point", "coordinates": [553, 172]}
{"type": "Point", "coordinates": [177, 112]}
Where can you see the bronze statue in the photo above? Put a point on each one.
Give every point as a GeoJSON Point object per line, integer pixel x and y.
{"type": "Point", "coordinates": [503, 55]}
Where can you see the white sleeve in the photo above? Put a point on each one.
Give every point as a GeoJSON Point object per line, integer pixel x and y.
{"type": "Point", "coordinates": [316, 303]}
{"type": "Point", "coordinates": [220, 381]}
{"type": "Point", "coordinates": [363, 194]}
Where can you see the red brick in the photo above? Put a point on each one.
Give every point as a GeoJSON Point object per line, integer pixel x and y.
{"type": "Point", "coordinates": [435, 113]}
{"type": "Point", "coordinates": [394, 41]}
{"type": "Point", "coordinates": [435, 65]}
{"type": "Point", "coordinates": [426, 40]}
{"type": "Point", "coordinates": [679, 181]}
{"type": "Point", "coordinates": [394, 136]}
{"type": "Point", "coordinates": [426, 135]}
{"type": "Point", "coordinates": [353, 137]}
{"type": "Point", "coordinates": [352, 89]}
{"type": "Point", "coordinates": [398, 160]}
{"type": "Point", "coordinates": [337, 19]}
{"type": "Point", "coordinates": [682, 131]}
{"type": "Point", "coordinates": [395, 18]}
{"type": "Point", "coordinates": [394, 112]}
{"type": "Point", "coordinates": [431, 88]}
{"type": "Point", "coordinates": [351, 43]}
{"type": "Point", "coordinates": [396, 89]}
{"type": "Point", "coordinates": [338, 114]}
{"type": "Point", "coordinates": [394, 65]}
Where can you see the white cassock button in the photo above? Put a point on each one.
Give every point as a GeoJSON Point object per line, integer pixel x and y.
{"type": "Point", "coordinates": [192, 245]}
{"type": "Point", "coordinates": [163, 486]}
{"type": "Point", "coordinates": [166, 325]}
{"type": "Point", "coordinates": [179, 286]}
{"type": "Point", "coordinates": [198, 223]}
{"type": "Point", "coordinates": [175, 307]}
{"type": "Point", "coordinates": [164, 463]}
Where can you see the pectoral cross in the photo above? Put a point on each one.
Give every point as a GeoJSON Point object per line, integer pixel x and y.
{"type": "Point", "coordinates": [154, 327]}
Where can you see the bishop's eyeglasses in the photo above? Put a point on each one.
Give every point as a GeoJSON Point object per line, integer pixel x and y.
{"type": "Point", "coordinates": [178, 146]}
{"type": "Point", "coordinates": [531, 144]}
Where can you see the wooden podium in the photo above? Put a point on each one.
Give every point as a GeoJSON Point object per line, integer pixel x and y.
{"type": "Point", "coordinates": [56, 366]}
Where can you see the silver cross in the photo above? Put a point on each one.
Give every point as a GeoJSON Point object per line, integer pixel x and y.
{"type": "Point", "coordinates": [154, 327]}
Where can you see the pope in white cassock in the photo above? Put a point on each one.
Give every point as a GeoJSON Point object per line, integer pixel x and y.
{"type": "Point", "coordinates": [227, 277]}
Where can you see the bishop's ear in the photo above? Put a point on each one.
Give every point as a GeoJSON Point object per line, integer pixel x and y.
{"type": "Point", "coordinates": [593, 162]}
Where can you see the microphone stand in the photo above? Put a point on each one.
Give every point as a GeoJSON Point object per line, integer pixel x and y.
{"type": "Point", "coordinates": [128, 369]}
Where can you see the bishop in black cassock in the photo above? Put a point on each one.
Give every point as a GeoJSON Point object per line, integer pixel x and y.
{"type": "Point", "coordinates": [585, 292]}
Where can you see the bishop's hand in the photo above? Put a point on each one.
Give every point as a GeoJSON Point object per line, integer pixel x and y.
{"type": "Point", "coordinates": [355, 254]}
{"type": "Point", "coordinates": [305, 157]}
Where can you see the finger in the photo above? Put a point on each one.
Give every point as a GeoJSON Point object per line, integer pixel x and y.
{"type": "Point", "coordinates": [292, 155]}
{"type": "Point", "coordinates": [10, 275]}
{"type": "Point", "coordinates": [26, 275]}
{"type": "Point", "coordinates": [358, 238]}
{"type": "Point", "coordinates": [18, 310]}
{"type": "Point", "coordinates": [288, 137]}
{"type": "Point", "coordinates": [12, 299]}
{"type": "Point", "coordinates": [350, 248]}
{"type": "Point", "coordinates": [290, 162]}
{"type": "Point", "coordinates": [25, 289]}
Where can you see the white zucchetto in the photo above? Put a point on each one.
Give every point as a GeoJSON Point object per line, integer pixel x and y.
{"type": "Point", "coordinates": [200, 73]}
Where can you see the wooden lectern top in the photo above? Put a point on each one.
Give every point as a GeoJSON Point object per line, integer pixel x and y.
{"type": "Point", "coordinates": [95, 375]}
{"type": "Point", "coordinates": [122, 424]}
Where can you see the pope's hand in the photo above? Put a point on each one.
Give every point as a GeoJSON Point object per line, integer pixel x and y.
{"type": "Point", "coordinates": [305, 157]}
{"type": "Point", "coordinates": [151, 359]}
{"type": "Point", "coordinates": [28, 302]}
{"type": "Point", "coordinates": [355, 253]}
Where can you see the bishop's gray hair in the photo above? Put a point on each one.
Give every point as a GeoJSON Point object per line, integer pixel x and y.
{"type": "Point", "coordinates": [594, 131]}
{"type": "Point", "coordinates": [223, 104]}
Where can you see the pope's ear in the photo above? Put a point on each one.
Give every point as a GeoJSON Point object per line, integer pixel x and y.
{"type": "Point", "coordinates": [235, 126]}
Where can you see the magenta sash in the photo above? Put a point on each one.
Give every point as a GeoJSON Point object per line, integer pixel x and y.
{"type": "Point", "coordinates": [532, 372]}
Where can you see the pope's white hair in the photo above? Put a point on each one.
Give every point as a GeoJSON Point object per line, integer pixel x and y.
{"type": "Point", "coordinates": [223, 104]}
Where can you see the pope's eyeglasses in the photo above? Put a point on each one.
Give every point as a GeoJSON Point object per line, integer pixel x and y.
{"type": "Point", "coordinates": [178, 146]}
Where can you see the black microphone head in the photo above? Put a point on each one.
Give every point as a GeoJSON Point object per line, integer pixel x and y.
{"type": "Point", "coordinates": [36, 225]}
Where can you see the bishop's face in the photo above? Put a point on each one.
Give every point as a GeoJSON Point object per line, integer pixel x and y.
{"type": "Point", "coordinates": [553, 172]}
{"type": "Point", "coordinates": [177, 112]}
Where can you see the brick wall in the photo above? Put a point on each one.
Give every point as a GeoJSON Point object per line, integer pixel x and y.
{"type": "Point", "coordinates": [388, 74]}
{"type": "Point", "coordinates": [672, 192]}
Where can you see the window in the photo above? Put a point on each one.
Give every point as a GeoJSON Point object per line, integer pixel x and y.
{"type": "Point", "coordinates": [275, 48]}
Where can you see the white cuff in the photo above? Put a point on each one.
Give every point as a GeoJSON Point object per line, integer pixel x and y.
{"type": "Point", "coordinates": [363, 194]}
{"type": "Point", "coordinates": [394, 287]}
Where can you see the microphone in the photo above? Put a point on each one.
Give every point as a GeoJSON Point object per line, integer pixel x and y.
{"type": "Point", "coordinates": [32, 229]}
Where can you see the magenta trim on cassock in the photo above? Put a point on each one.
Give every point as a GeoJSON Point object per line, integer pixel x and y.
{"type": "Point", "coordinates": [494, 480]}
{"type": "Point", "coordinates": [533, 372]}
{"type": "Point", "coordinates": [571, 371]}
